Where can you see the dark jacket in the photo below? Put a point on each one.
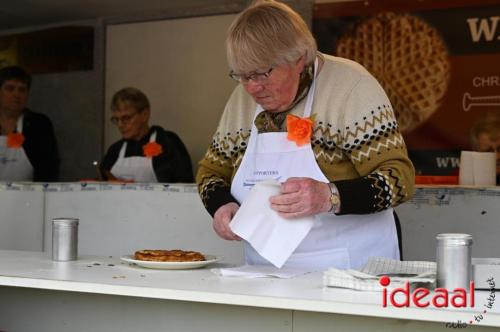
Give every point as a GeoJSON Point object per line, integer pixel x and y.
{"type": "Point", "coordinates": [40, 145]}
{"type": "Point", "coordinates": [173, 165]}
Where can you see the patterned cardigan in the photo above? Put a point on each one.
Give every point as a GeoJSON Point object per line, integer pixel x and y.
{"type": "Point", "coordinates": [356, 142]}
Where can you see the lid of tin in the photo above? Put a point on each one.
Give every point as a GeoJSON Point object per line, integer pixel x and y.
{"type": "Point", "coordinates": [455, 238]}
{"type": "Point", "coordinates": [65, 221]}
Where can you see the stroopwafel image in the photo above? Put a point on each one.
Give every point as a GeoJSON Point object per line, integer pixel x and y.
{"type": "Point", "coordinates": [409, 59]}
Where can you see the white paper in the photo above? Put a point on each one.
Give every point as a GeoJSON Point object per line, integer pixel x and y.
{"type": "Point", "coordinates": [258, 271]}
{"type": "Point", "coordinates": [477, 168]}
{"type": "Point", "coordinates": [273, 237]}
{"type": "Point", "coordinates": [484, 270]}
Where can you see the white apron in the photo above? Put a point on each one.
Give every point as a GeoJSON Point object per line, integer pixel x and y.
{"type": "Point", "coordinates": [334, 241]}
{"type": "Point", "coordinates": [138, 169]}
{"type": "Point", "coordinates": [14, 163]}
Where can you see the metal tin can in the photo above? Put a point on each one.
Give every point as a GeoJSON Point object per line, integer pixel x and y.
{"type": "Point", "coordinates": [453, 260]}
{"type": "Point", "coordinates": [64, 239]}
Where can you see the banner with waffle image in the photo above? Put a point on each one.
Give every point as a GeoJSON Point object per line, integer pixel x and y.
{"type": "Point", "coordinates": [438, 62]}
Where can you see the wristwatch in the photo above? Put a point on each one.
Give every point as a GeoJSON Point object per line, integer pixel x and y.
{"type": "Point", "coordinates": [334, 198]}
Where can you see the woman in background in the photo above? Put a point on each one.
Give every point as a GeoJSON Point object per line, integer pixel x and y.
{"type": "Point", "coordinates": [144, 154]}
{"type": "Point", "coordinates": [485, 137]}
{"type": "Point", "coordinates": [28, 146]}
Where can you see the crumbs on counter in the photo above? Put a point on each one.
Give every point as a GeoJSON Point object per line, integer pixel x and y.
{"type": "Point", "coordinates": [99, 264]}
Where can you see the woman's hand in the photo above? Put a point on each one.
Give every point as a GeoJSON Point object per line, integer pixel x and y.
{"type": "Point", "coordinates": [222, 219]}
{"type": "Point", "coordinates": [301, 197]}
{"type": "Point", "coordinates": [113, 179]}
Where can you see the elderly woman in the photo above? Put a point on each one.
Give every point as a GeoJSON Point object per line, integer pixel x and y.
{"type": "Point", "coordinates": [323, 126]}
{"type": "Point", "coordinates": [144, 154]}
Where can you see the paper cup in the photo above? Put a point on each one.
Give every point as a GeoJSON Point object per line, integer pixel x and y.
{"type": "Point", "coordinates": [477, 168]}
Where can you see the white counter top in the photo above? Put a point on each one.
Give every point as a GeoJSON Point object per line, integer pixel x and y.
{"type": "Point", "coordinates": [108, 275]}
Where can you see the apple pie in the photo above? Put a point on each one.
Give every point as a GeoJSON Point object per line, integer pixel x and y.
{"type": "Point", "coordinates": [175, 255]}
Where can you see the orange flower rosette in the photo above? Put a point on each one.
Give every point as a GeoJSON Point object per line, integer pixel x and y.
{"type": "Point", "coordinates": [15, 140]}
{"type": "Point", "coordinates": [299, 129]}
{"type": "Point", "coordinates": [152, 149]}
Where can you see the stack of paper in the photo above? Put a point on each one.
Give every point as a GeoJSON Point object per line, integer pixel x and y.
{"type": "Point", "coordinates": [478, 168]}
{"type": "Point", "coordinates": [399, 272]}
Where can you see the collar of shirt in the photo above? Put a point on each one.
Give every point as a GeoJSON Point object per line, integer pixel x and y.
{"type": "Point", "coordinates": [275, 122]}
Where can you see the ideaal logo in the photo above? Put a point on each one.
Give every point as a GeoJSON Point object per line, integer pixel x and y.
{"type": "Point", "coordinates": [442, 298]}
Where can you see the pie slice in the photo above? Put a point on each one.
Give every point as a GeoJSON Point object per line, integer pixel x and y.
{"type": "Point", "coordinates": [175, 255]}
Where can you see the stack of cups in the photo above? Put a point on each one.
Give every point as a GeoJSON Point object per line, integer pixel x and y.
{"type": "Point", "coordinates": [453, 258]}
{"type": "Point", "coordinates": [64, 239]}
{"type": "Point", "coordinates": [478, 168]}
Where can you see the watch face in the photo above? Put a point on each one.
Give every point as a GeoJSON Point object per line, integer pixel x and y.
{"type": "Point", "coordinates": [334, 199]}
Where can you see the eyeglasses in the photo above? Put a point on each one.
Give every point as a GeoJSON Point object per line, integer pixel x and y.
{"type": "Point", "coordinates": [256, 77]}
{"type": "Point", "coordinates": [125, 119]}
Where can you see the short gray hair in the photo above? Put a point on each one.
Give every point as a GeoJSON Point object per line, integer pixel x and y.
{"type": "Point", "coordinates": [268, 33]}
{"type": "Point", "coordinates": [131, 96]}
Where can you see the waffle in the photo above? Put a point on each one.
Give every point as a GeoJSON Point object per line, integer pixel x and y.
{"type": "Point", "coordinates": [175, 255]}
{"type": "Point", "coordinates": [408, 58]}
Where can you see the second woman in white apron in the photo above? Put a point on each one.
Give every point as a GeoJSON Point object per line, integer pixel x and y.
{"type": "Point", "coordinates": [144, 154]}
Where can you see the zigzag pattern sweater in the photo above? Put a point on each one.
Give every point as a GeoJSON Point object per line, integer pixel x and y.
{"type": "Point", "coordinates": [356, 142]}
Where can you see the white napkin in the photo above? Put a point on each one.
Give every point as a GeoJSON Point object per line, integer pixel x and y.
{"type": "Point", "coordinates": [415, 272]}
{"type": "Point", "coordinates": [477, 168]}
{"type": "Point", "coordinates": [273, 237]}
{"type": "Point", "coordinates": [258, 271]}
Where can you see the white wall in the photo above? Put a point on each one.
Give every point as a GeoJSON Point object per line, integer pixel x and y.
{"type": "Point", "coordinates": [180, 64]}
{"type": "Point", "coordinates": [21, 217]}
{"type": "Point", "coordinates": [450, 210]}
{"type": "Point", "coordinates": [114, 219]}
{"type": "Point", "coordinates": [119, 219]}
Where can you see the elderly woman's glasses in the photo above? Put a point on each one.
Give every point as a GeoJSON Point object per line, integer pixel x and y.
{"type": "Point", "coordinates": [255, 77]}
{"type": "Point", "coordinates": [125, 119]}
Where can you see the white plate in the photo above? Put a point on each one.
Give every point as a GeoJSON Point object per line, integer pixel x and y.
{"type": "Point", "coordinates": [170, 265]}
